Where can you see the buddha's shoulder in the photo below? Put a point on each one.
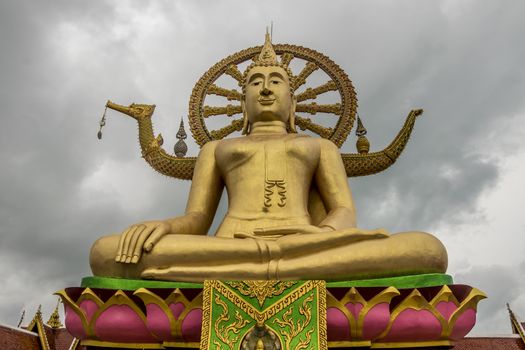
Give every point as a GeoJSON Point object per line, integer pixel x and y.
{"type": "Point", "coordinates": [289, 138]}
{"type": "Point", "coordinates": [326, 144]}
{"type": "Point", "coordinates": [319, 142]}
{"type": "Point", "coordinates": [208, 149]}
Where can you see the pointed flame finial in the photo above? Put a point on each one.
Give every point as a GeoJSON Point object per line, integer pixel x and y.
{"type": "Point", "coordinates": [21, 318]}
{"type": "Point", "coordinates": [39, 311]}
{"type": "Point", "coordinates": [267, 55]}
{"type": "Point", "coordinates": [54, 319]}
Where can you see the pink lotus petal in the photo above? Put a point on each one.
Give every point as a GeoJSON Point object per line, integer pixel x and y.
{"type": "Point", "coordinates": [158, 323]}
{"type": "Point", "coordinates": [177, 309]}
{"type": "Point", "coordinates": [89, 307]}
{"type": "Point", "coordinates": [354, 309]}
{"type": "Point", "coordinates": [337, 325]}
{"type": "Point", "coordinates": [120, 323]}
{"type": "Point", "coordinates": [73, 323]}
{"type": "Point", "coordinates": [464, 324]}
{"type": "Point", "coordinates": [192, 325]}
{"type": "Point", "coordinates": [414, 325]}
{"type": "Point", "coordinates": [446, 308]}
{"type": "Point", "coordinates": [375, 321]}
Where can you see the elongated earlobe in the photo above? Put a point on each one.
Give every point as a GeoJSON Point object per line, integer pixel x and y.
{"type": "Point", "coordinates": [245, 121]}
{"type": "Point", "coordinates": [291, 119]}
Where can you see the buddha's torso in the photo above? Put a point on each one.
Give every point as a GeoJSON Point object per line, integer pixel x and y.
{"type": "Point", "coordinates": [268, 178]}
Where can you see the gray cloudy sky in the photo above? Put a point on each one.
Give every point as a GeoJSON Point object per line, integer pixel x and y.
{"type": "Point", "coordinates": [459, 178]}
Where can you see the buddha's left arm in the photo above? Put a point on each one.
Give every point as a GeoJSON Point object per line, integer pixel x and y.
{"type": "Point", "coordinates": [332, 183]}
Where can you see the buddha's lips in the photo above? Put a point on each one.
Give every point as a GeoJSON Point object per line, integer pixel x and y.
{"type": "Point", "coordinates": [266, 102]}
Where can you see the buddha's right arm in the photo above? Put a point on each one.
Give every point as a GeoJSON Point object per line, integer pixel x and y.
{"type": "Point", "coordinates": [205, 193]}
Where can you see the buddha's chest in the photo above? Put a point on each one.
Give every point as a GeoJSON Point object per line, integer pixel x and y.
{"type": "Point", "coordinates": [272, 156]}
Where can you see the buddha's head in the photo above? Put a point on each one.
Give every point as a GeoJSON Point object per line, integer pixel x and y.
{"type": "Point", "coordinates": [267, 91]}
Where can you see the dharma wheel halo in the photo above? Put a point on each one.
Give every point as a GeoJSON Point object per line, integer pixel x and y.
{"type": "Point", "coordinates": [344, 111]}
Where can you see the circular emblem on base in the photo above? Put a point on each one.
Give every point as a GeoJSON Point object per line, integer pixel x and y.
{"type": "Point", "coordinates": [261, 337]}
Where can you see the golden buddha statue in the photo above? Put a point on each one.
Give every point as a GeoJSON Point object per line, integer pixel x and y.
{"type": "Point", "coordinates": [290, 210]}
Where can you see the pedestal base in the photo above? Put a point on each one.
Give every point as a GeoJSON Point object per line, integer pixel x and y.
{"type": "Point", "coordinates": [410, 311]}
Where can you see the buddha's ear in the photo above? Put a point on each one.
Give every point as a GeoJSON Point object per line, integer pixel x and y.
{"type": "Point", "coordinates": [245, 121]}
{"type": "Point", "coordinates": [291, 119]}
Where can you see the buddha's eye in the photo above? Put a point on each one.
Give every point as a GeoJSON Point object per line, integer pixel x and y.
{"type": "Point", "coordinates": [276, 82]}
{"type": "Point", "coordinates": [256, 83]}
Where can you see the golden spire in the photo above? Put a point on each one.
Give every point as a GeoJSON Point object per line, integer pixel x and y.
{"type": "Point", "coordinates": [21, 318]}
{"type": "Point", "coordinates": [267, 55]}
{"type": "Point", "coordinates": [516, 326]}
{"type": "Point", "coordinates": [54, 319]}
{"type": "Point", "coordinates": [39, 311]}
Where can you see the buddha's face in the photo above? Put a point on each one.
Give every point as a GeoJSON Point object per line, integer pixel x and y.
{"type": "Point", "coordinates": [267, 95]}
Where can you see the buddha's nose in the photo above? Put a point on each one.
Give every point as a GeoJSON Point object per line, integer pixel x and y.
{"type": "Point", "coordinates": [265, 91]}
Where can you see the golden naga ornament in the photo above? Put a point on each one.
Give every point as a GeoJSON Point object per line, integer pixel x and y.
{"type": "Point", "coordinates": [290, 212]}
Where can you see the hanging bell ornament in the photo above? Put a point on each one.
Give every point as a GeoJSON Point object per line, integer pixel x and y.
{"type": "Point", "coordinates": [102, 123]}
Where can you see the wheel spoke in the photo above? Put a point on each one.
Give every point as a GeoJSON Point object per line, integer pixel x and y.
{"type": "Point", "coordinates": [234, 72]}
{"type": "Point", "coordinates": [310, 94]}
{"type": "Point", "coordinates": [229, 110]}
{"type": "Point", "coordinates": [286, 58]}
{"type": "Point", "coordinates": [314, 108]}
{"type": "Point", "coordinates": [306, 123]}
{"type": "Point", "coordinates": [220, 91]}
{"type": "Point", "coordinates": [234, 126]}
{"type": "Point", "coordinates": [300, 79]}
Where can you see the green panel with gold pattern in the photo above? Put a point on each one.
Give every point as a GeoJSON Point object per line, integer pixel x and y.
{"type": "Point", "coordinates": [264, 315]}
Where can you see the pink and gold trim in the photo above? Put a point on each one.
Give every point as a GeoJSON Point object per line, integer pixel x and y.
{"type": "Point", "coordinates": [375, 317]}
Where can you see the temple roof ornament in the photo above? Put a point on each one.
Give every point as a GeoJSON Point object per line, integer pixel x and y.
{"type": "Point", "coordinates": [54, 318]}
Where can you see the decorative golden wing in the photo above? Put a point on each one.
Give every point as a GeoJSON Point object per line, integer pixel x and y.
{"type": "Point", "coordinates": [372, 163]}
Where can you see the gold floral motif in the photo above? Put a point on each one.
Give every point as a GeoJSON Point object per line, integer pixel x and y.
{"type": "Point", "coordinates": [292, 326]}
{"type": "Point", "coordinates": [261, 290]}
{"type": "Point", "coordinates": [223, 327]}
